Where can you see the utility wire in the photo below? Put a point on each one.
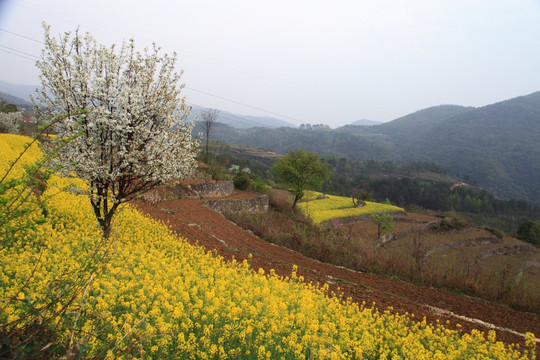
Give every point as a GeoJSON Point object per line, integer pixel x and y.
{"type": "Point", "coordinates": [246, 105]}
{"type": "Point", "coordinates": [19, 55]}
{"type": "Point", "coordinates": [22, 36]}
{"type": "Point", "coordinates": [217, 62]}
{"type": "Point", "coordinates": [235, 118]}
{"type": "Point", "coordinates": [28, 56]}
{"type": "Point", "coordinates": [22, 52]}
{"type": "Point", "coordinates": [192, 89]}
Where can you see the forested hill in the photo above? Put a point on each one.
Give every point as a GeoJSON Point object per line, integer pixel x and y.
{"type": "Point", "coordinates": [417, 124]}
{"type": "Point", "coordinates": [496, 145]}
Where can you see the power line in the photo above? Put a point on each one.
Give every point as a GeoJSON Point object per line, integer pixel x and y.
{"type": "Point", "coordinates": [233, 117]}
{"type": "Point", "coordinates": [25, 56]}
{"type": "Point", "coordinates": [246, 105]}
{"type": "Point", "coordinates": [22, 36]}
{"type": "Point", "coordinates": [217, 62]}
{"type": "Point", "coordinates": [192, 89]}
{"type": "Point", "coordinates": [19, 55]}
{"type": "Point", "coordinates": [22, 52]}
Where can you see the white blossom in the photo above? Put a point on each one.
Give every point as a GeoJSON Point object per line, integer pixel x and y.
{"type": "Point", "coordinates": [9, 122]}
{"type": "Point", "coordinates": [234, 169]}
{"type": "Point", "coordinates": [122, 113]}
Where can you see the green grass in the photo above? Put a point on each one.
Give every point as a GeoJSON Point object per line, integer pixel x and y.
{"type": "Point", "coordinates": [331, 207]}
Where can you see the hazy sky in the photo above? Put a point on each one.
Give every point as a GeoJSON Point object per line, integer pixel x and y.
{"type": "Point", "coordinates": [309, 61]}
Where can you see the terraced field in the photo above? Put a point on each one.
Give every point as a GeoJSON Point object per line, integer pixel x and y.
{"type": "Point", "coordinates": [202, 226]}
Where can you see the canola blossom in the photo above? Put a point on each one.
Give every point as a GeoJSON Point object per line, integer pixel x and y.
{"type": "Point", "coordinates": [11, 148]}
{"type": "Point", "coordinates": [156, 296]}
{"type": "Point", "coordinates": [330, 207]}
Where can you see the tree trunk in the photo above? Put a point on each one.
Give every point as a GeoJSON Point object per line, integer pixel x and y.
{"type": "Point", "coordinates": [296, 198]}
{"type": "Point", "coordinates": [207, 141]}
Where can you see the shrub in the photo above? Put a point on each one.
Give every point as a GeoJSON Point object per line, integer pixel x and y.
{"type": "Point", "coordinates": [529, 231]}
{"type": "Point", "coordinates": [450, 223]}
{"type": "Point", "coordinates": [496, 232]}
{"type": "Point", "coordinates": [244, 180]}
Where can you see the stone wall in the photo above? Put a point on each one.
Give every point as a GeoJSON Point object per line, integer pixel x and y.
{"type": "Point", "coordinates": [189, 190]}
{"type": "Point", "coordinates": [253, 205]}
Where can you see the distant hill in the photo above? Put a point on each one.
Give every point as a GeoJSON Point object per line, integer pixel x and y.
{"type": "Point", "coordinates": [20, 91]}
{"type": "Point", "coordinates": [415, 125]}
{"type": "Point", "coordinates": [10, 99]}
{"type": "Point", "coordinates": [333, 142]}
{"type": "Point", "coordinates": [245, 121]}
{"type": "Point", "coordinates": [496, 145]}
{"type": "Point", "coordinates": [365, 122]}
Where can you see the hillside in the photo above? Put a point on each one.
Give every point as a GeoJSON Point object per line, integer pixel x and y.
{"type": "Point", "coordinates": [18, 90]}
{"type": "Point", "coordinates": [215, 233]}
{"type": "Point", "coordinates": [365, 122]}
{"type": "Point", "coordinates": [415, 125]}
{"type": "Point", "coordinates": [243, 121]}
{"type": "Point", "coordinates": [496, 146]}
{"type": "Point", "coordinates": [330, 142]}
{"type": "Point", "coordinates": [67, 292]}
{"type": "Point", "coordinates": [10, 99]}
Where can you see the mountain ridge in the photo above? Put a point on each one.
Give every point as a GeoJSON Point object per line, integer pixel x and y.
{"type": "Point", "coordinates": [494, 145]}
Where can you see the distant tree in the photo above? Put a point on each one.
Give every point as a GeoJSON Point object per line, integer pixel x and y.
{"type": "Point", "coordinates": [301, 170]}
{"type": "Point", "coordinates": [10, 121]}
{"type": "Point", "coordinates": [383, 221]}
{"type": "Point", "coordinates": [209, 117]}
{"type": "Point", "coordinates": [8, 108]}
{"type": "Point", "coordinates": [529, 231]}
{"type": "Point", "coordinates": [360, 196]}
{"type": "Point", "coordinates": [122, 111]}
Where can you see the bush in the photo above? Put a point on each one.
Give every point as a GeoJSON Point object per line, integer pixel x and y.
{"type": "Point", "coordinates": [450, 223]}
{"type": "Point", "coordinates": [529, 231]}
{"type": "Point", "coordinates": [241, 181]}
{"type": "Point", "coordinates": [218, 172]}
{"type": "Point", "coordinates": [246, 181]}
{"type": "Point", "coordinates": [498, 233]}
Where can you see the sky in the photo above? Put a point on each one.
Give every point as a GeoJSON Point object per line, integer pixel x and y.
{"type": "Point", "coordinates": [306, 61]}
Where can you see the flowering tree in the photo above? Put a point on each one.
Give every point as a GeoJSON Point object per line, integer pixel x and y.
{"type": "Point", "coordinates": [9, 122]}
{"type": "Point", "coordinates": [123, 113]}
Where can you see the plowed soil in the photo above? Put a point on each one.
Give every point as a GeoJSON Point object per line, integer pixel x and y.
{"type": "Point", "coordinates": [202, 226]}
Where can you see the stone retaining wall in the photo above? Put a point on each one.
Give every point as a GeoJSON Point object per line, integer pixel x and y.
{"type": "Point", "coordinates": [196, 190]}
{"type": "Point", "coordinates": [253, 205]}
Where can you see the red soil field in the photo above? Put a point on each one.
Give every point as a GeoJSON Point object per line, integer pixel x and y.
{"type": "Point", "coordinates": [204, 227]}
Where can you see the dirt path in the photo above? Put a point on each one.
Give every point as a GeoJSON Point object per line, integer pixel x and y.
{"type": "Point", "coordinates": [200, 225]}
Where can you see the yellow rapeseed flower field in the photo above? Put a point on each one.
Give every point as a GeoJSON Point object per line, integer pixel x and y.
{"type": "Point", "coordinates": [325, 208]}
{"type": "Point", "coordinates": [155, 296]}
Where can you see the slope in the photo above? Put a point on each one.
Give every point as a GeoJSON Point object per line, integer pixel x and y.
{"type": "Point", "coordinates": [496, 145]}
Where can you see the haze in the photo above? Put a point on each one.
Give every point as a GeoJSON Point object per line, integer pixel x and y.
{"type": "Point", "coordinates": [330, 62]}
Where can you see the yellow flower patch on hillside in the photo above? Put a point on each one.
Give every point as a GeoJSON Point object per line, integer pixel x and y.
{"type": "Point", "coordinates": [10, 148]}
{"type": "Point", "coordinates": [325, 208]}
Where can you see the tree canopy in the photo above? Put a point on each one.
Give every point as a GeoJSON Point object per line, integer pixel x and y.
{"type": "Point", "coordinates": [122, 113]}
{"type": "Point", "coordinates": [301, 170]}
{"type": "Point", "coordinates": [529, 231]}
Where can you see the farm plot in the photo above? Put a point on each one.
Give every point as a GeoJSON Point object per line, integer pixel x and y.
{"type": "Point", "coordinates": [321, 208]}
